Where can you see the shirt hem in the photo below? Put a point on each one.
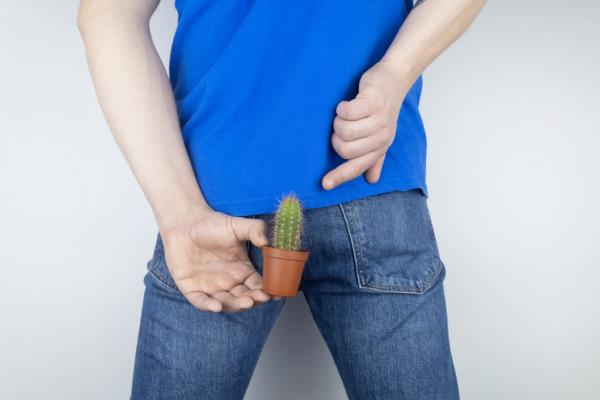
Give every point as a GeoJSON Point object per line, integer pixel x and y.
{"type": "Point", "coordinates": [343, 193]}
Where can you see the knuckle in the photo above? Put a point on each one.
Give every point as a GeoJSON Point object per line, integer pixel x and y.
{"type": "Point", "coordinates": [355, 171]}
{"type": "Point", "coordinates": [345, 152]}
{"type": "Point", "coordinates": [353, 129]}
{"type": "Point", "coordinates": [382, 140]}
{"type": "Point", "coordinates": [342, 110]}
{"type": "Point", "coordinates": [343, 130]}
{"type": "Point", "coordinates": [345, 134]}
{"type": "Point", "coordinates": [337, 143]}
{"type": "Point", "coordinates": [337, 124]}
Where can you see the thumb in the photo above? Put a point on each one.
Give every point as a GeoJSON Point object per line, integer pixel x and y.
{"type": "Point", "coordinates": [252, 229]}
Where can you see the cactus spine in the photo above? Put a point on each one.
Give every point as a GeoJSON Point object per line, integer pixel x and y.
{"type": "Point", "coordinates": [288, 224]}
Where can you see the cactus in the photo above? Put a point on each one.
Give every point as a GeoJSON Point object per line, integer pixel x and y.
{"type": "Point", "coordinates": [288, 224]}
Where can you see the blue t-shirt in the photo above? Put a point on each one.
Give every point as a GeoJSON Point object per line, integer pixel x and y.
{"type": "Point", "coordinates": [257, 83]}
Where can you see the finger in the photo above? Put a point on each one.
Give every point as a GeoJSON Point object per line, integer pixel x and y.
{"type": "Point", "coordinates": [259, 296]}
{"type": "Point", "coordinates": [239, 290]}
{"type": "Point", "coordinates": [256, 294]}
{"type": "Point", "coordinates": [207, 284]}
{"type": "Point", "coordinates": [203, 302]}
{"type": "Point", "coordinates": [232, 303]}
{"type": "Point", "coordinates": [349, 170]}
{"type": "Point", "coordinates": [255, 284]}
{"type": "Point", "coordinates": [355, 109]}
{"type": "Point", "coordinates": [358, 147]}
{"type": "Point", "coordinates": [352, 130]}
{"type": "Point", "coordinates": [374, 172]}
{"type": "Point", "coordinates": [253, 229]}
{"type": "Point", "coordinates": [254, 281]}
{"type": "Point", "coordinates": [277, 297]}
{"type": "Point", "coordinates": [241, 270]}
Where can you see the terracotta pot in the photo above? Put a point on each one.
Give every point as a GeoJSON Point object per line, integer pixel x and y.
{"type": "Point", "coordinates": [282, 270]}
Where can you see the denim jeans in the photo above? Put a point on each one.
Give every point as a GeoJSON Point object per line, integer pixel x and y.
{"type": "Point", "coordinates": [374, 285]}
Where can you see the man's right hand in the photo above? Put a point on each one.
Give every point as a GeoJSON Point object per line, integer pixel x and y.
{"type": "Point", "coordinates": [205, 250]}
{"type": "Point", "coordinates": [207, 258]}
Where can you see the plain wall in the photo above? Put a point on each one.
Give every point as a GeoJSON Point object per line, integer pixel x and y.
{"type": "Point", "coordinates": [512, 115]}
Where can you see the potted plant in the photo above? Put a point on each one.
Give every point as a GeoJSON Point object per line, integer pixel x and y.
{"type": "Point", "coordinates": [284, 258]}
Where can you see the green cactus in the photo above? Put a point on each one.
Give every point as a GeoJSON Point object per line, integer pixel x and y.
{"type": "Point", "coordinates": [288, 224]}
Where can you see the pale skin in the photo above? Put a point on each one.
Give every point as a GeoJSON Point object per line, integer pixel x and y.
{"type": "Point", "coordinates": [205, 248]}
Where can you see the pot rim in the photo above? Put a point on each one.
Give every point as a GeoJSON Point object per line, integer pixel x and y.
{"type": "Point", "coordinates": [275, 252]}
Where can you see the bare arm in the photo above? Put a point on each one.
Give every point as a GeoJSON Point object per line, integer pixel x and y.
{"type": "Point", "coordinates": [136, 98]}
{"type": "Point", "coordinates": [365, 127]}
{"type": "Point", "coordinates": [430, 28]}
{"type": "Point", "coordinates": [204, 249]}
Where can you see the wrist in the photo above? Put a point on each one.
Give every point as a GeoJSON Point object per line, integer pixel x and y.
{"type": "Point", "coordinates": [179, 214]}
{"type": "Point", "coordinates": [400, 79]}
{"type": "Point", "coordinates": [403, 72]}
{"type": "Point", "coordinates": [389, 84]}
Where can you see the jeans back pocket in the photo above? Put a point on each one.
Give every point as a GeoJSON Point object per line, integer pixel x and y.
{"type": "Point", "coordinates": [393, 242]}
{"type": "Point", "coordinates": [158, 269]}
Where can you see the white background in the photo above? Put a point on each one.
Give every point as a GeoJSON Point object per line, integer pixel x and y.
{"type": "Point", "coordinates": [511, 112]}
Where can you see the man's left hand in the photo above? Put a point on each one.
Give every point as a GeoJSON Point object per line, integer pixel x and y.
{"type": "Point", "coordinates": [365, 127]}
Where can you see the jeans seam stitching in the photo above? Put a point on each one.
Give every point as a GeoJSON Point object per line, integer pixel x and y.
{"type": "Point", "coordinates": [162, 281]}
{"type": "Point", "coordinates": [407, 289]}
{"type": "Point", "coordinates": [352, 246]}
{"type": "Point", "coordinates": [153, 269]}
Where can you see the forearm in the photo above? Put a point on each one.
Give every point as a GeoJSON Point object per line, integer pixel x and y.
{"type": "Point", "coordinates": [137, 101]}
{"type": "Point", "coordinates": [428, 30]}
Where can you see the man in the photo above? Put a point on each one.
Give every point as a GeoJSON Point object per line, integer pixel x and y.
{"type": "Point", "coordinates": [266, 97]}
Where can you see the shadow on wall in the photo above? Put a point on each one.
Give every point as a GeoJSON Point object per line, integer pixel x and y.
{"type": "Point", "coordinates": [295, 363]}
